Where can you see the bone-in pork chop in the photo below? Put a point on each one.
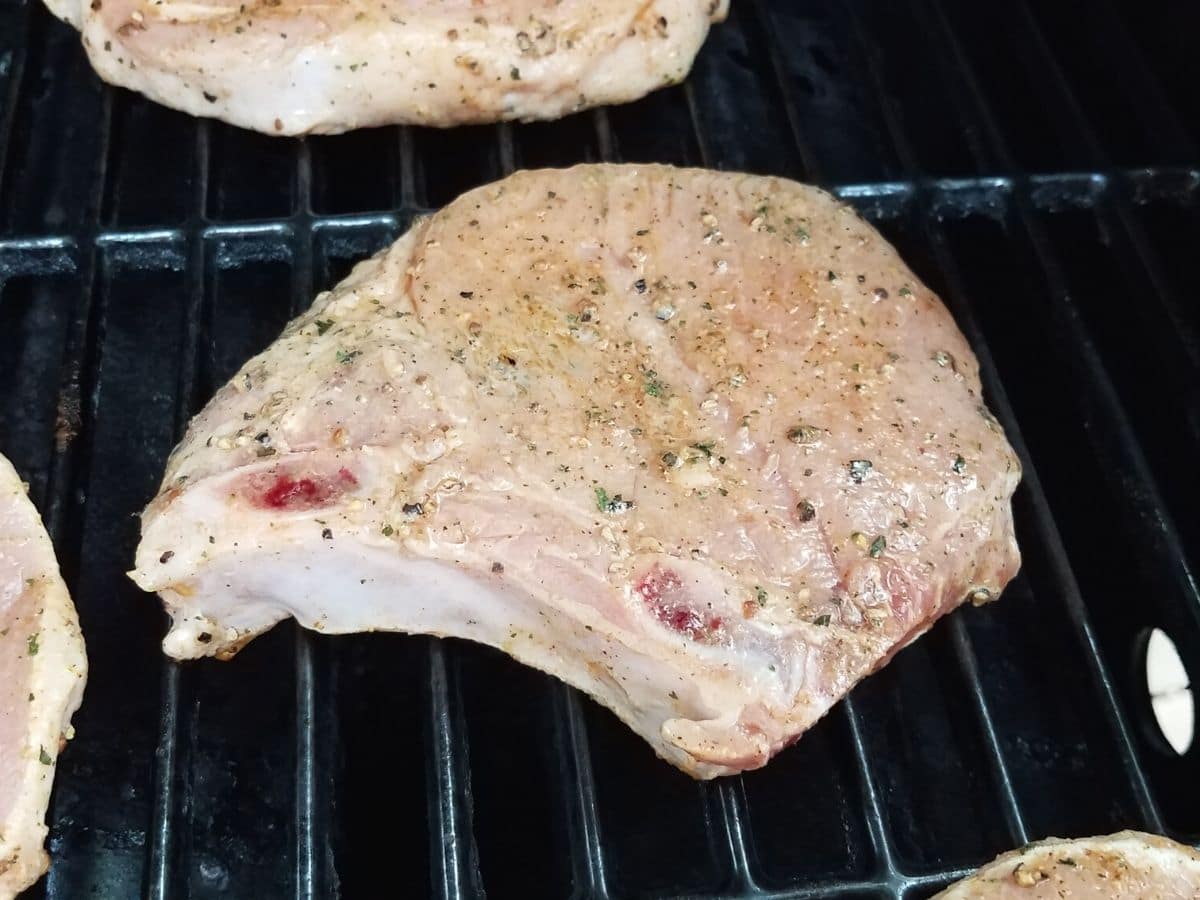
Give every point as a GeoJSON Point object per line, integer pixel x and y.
{"type": "Point", "coordinates": [698, 443]}
{"type": "Point", "coordinates": [42, 672]}
{"type": "Point", "coordinates": [1124, 866]}
{"type": "Point", "coordinates": [295, 66]}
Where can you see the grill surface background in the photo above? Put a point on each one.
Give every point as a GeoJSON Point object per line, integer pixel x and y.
{"type": "Point", "coordinates": [1035, 163]}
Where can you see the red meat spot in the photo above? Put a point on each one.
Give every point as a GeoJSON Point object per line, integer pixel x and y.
{"type": "Point", "coordinates": [664, 594]}
{"type": "Point", "coordinates": [281, 490]}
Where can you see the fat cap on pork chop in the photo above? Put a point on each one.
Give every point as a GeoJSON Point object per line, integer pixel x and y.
{"type": "Point", "coordinates": [1128, 865]}
{"type": "Point", "coordinates": [296, 66]}
{"type": "Point", "coordinates": [42, 672]}
{"type": "Point", "coordinates": [697, 443]}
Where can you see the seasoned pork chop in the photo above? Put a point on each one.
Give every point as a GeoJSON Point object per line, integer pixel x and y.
{"type": "Point", "coordinates": [1124, 866]}
{"type": "Point", "coordinates": [698, 443]}
{"type": "Point", "coordinates": [42, 672]}
{"type": "Point", "coordinates": [295, 66]}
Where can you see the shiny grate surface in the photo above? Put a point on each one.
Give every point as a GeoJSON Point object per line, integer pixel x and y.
{"type": "Point", "coordinates": [1035, 162]}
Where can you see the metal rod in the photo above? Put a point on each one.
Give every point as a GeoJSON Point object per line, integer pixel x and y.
{"type": "Point", "coordinates": [579, 787]}
{"type": "Point", "coordinates": [453, 855]}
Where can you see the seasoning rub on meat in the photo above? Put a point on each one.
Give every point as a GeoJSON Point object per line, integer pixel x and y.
{"type": "Point", "coordinates": [697, 443]}
{"type": "Point", "coordinates": [42, 672]}
{"type": "Point", "coordinates": [1125, 866]}
{"type": "Point", "coordinates": [297, 67]}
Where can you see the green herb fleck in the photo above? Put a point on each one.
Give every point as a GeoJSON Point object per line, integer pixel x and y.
{"type": "Point", "coordinates": [44, 757]}
{"type": "Point", "coordinates": [323, 325]}
{"type": "Point", "coordinates": [760, 595]}
{"type": "Point", "coordinates": [945, 360]}
{"type": "Point", "coordinates": [801, 234]}
{"type": "Point", "coordinates": [344, 356]}
{"type": "Point", "coordinates": [669, 459]}
{"type": "Point", "coordinates": [859, 469]}
{"type": "Point", "coordinates": [388, 530]}
{"type": "Point", "coordinates": [822, 619]}
{"type": "Point", "coordinates": [906, 291]}
{"type": "Point", "coordinates": [654, 387]}
{"type": "Point", "coordinates": [832, 275]}
{"type": "Point", "coordinates": [877, 547]}
{"type": "Point", "coordinates": [32, 644]}
{"type": "Point", "coordinates": [613, 504]}
{"type": "Point", "coordinates": [514, 73]}
{"type": "Point", "coordinates": [806, 511]}
{"type": "Point", "coordinates": [705, 447]}
{"type": "Point", "coordinates": [960, 465]}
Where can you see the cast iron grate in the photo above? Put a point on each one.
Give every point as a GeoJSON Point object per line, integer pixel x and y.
{"type": "Point", "coordinates": [1036, 164]}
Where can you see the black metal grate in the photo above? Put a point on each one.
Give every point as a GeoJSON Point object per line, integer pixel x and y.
{"type": "Point", "coordinates": [1035, 163]}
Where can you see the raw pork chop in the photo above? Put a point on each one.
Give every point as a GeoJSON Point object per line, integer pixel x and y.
{"type": "Point", "coordinates": [1125, 866]}
{"type": "Point", "coordinates": [42, 671]}
{"type": "Point", "coordinates": [293, 66]}
{"type": "Point", "coordinates": [697, 443]}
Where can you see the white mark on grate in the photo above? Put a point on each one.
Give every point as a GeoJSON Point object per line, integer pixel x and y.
{"type": "Point", "coordinates": [1170, 692]}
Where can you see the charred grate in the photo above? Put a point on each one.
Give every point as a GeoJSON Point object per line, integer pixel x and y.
{"type": "Point", "coordinates": [144, 255]}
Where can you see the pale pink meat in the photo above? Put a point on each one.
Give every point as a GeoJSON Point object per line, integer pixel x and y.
{"type": "Point", "coordinates": [1124, 866]}
{"type": "Point", "coordinates": [42, 673]}
{"type": "Point", "coordinates": [698, 443]}
{"type": "Point", "coordinates": [297, 66]}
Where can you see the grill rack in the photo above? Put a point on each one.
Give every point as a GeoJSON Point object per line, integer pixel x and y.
{"type": "Point", "coordinates": [126, 303]}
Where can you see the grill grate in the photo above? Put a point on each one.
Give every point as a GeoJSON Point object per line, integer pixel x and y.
{"type": "Point", "coordinates": [145, 255]}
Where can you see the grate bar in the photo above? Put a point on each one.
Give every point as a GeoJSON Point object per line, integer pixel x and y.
{"type": "Point", "coordinates": [170, 803]}
{"type": "Point", "coordinates": [313, 874]}
{"type": "Point", "coordinates": [16, 79]}
{"type": "Point", "coordinates": [583, 816]}
{"type": "Point", "coordinates": [896, 888]}
{"type": "Point", "coordinates": [17, 252]}
{"type": "Point", "coordinates": [605, 143]}
{"type": "Point", "coordinates": [407, 157]}
{"type": "Point", "coordinates": [1014, 818]}
{"type": "Point", "coordinates": [506, 148]}
{"type": "Point", "coordinates": [689, 95]}
{"type": "Point", "coordinates": [1138, 242]}
{"type": "Point", "coordinates": [881, 841]}
{"type": "Point", "coordinates": [812, 168]}
{"type": "Point", "coordinates": [454, 858]}
{"type": "Point", "coordinates": [166, 803]}
{"type": "Point", "coordinates": [315, 879]}
{"type": "Point", "coordinates": [80, 352]}
{"type": "Point", "coordinates": [728, 796]}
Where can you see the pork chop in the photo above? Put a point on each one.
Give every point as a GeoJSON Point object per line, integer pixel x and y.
{"type": "Point", "coordinates": [42, 672]}
{"type": "Point", "coordinates": [697, 443]}
{"type": "Point", "coordinates": [1124, 866]}
{"type": "Point", "coordinates": [295, 66]}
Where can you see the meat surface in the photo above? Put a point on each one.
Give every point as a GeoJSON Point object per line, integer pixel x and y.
{"type": "Point", "coordinates": [1124, 866]}
{"type": "Point", "coordinates": [697, 443]}
{"type": "Point", "coordinates": [42, 673]}
{"type": "Point", "coordinates": [295, 67]}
